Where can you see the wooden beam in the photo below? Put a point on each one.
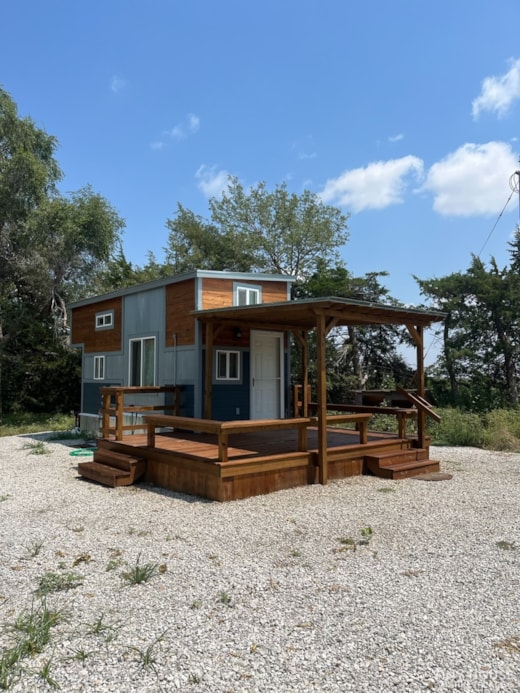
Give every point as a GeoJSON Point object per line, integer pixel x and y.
{"type": "Point", "coordinates": [421, 414]}
{"type": "Point", "coordinates": [322, 398]}
{"type": "Point", "coordinates": [208, 379]}
{"type": "Point", "coordinates": [414, 335]}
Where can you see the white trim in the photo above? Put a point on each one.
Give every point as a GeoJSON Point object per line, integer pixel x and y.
{"type": "Point", "coordinates": [104, 320]}
{"type": "Point", "coordinates": [99, 368]}
{"type": "Point", "coordinates": [281, 393]}
{"type": "Point", "coordinates": [227, 378]}
{"type": "Point", "coordinates": [249, 290]}
{"type": "Point", "coordinates": [142, 339]}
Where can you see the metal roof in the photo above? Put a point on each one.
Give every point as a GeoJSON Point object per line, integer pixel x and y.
{"type": "Point", "coordinates": [303, 314]}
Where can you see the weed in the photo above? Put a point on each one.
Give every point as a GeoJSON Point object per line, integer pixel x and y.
{"type": "Point", "coordinates": [196, 604]}
{"type": "Point", "coordinates": [32, 629]}
{"type": "Point", "coordinates": [114, 563]}
{"type": "Point", "coordinates": [82, 558]}
{"type": "Point", "coordinates": [34, 548]}
{"type": "Point", "coordinates": [4, 497]}
{"type": "Point", "coordinates": [78, 529]}
{"type": "Point", "coordinates": [366, 536]}
{"type": "Point", "coordinates": [194, 679]}
{"type": "Point", "coordinates": [100, 627]}
{"type": "Point", "coordinates": [37, 448]}
{"type": "Point", "coordinates": [347, 544]}
{"type": "Point", "coordinates": [45, 674]}
{"type": "Point", "coordinates": [140, 573]}
{"type": "Point", "coordinates": [511, 644]}
{"type": "Point", "coordinates": [506, 545]}
{"type": "Point", "coordinates": [224, 598]}
{"type": "Point", "coordinates": [58, 582]}
{"type": "Point", "coordinates": [296, 553]}
{"type": "Point", "coordinates": [386, 489]}
{"type": "Point", "coordinates": [81, 655]}
{"type": "Point", "coordinates": [10, 669]}
{"type": "Point", "coordinates": [148, 657]}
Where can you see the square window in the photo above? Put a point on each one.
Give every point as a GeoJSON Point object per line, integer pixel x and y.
{"type": "Point", "coordinates": [246, 295]}
{"type": "Point", "coordinates": [104, 320]}
{"type": "Point", "coordinates": [228, 365]}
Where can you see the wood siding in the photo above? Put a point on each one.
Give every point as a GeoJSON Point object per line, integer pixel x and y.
{"type": "Point", "coordinates": [84, 327]}
{"type": "Point", "coordinates": [218, 293]}
{"type": "Point", "coordinates": [180, 301]}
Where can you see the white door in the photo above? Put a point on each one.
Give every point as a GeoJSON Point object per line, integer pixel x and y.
{"type": "Point", "coordinates": [267, 375]}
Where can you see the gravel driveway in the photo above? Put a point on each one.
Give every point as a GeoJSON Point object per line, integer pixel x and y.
{"type": "Point", "coordinates": [362, 585]}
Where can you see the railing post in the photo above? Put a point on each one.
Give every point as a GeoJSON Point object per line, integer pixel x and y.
{"type": "Point", "coordinates": [119, 414]}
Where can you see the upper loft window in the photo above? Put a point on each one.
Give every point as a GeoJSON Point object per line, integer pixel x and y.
{"type": "Point", "coordinates": [246, 295]}
{"type": "Point", "coordinates": [105, 321]}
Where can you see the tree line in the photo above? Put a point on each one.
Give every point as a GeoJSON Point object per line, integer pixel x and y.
{"type": "Point", "coordinates": [56, 248]}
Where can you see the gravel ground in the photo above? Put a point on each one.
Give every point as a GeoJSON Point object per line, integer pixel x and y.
{"type": "Point", "coordinates": [264, 594]}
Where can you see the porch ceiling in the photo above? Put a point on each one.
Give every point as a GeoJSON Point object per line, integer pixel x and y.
{"type": "Point", "coordinates": [303, 315]}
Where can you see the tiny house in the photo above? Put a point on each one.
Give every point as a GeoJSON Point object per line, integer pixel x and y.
{"type": "Point", "coordinates": [146, 336]}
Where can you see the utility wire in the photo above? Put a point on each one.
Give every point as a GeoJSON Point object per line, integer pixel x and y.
{"type": "Point", "coordinates": [496, 222]}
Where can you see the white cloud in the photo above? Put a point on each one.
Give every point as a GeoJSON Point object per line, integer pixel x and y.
{"type": "Point", "coordinates": [210, 181]}
{"type": "Point", "coordinates": [378, 185]}
{"type": "Point", "coordinates": [473, 180]}
{"type": "Point", "coordinates": [189, 126]}
{"type": "Point", "coordinates": [305, 148]}
{"type": "Point", "coordinates": [117, 84]}
{"type": "Point", "coordinates": [396, 138]}
{"type": "Point", "coordinates": [499, 93]}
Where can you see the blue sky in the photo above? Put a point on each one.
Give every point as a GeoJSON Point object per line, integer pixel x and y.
{"type": "Point", "coordinates": [405, 114]}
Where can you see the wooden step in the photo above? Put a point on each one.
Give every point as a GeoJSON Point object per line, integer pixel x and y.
{"type": "Point", "coordinates": [387, 459]}
{"type": "Point", "coordinates": [113, 468]}
{"type": "Point", "coordinates": [401, 464]}
{"type": "Point", "coordinates": [109, 476]}
{"type": "Point", "coordinates": [406, 470]}
{"type": "Point", "coordinates": [116, 459]}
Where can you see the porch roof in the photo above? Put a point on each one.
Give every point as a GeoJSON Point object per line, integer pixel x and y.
{"type": "Point", "coordinates": [302, 314]}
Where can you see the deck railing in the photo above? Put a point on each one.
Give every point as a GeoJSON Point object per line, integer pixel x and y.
{"type": "Point", "coordinates": [223, 429]}
{"type": "Point", "coordinates": [402, 414]}
{"type": "Point", "coordinates": [117, 402]}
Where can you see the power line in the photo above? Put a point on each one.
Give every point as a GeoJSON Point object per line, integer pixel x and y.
{"type": "Point", "coordinates": [515, 187]}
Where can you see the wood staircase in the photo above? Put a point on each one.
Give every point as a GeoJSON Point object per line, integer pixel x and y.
{"type": "Point", "coordinates": [401, 464]}
{"type": "Point", "coordinates": [113, 468]}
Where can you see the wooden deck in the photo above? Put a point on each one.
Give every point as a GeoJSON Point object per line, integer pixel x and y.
{"type": "Point", "coordinates": [260, 462]}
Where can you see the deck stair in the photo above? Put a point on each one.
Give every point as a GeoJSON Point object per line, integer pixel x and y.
{"type": "Point", "coordinates": [113, 468]}
{"type": "Point", "coordinates": [401, 464]}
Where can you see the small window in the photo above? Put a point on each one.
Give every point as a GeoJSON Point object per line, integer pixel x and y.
{"type": "Point", "coordinates": [99, 367]}
{"type": "Point", "coordinates": [245, 295]}
{"type": "Point", "coordinates": [142, 362]}
{"type": "Point", "coordinates": [228, 365]}
{"type": "Point", "coordinates": [104, 320]}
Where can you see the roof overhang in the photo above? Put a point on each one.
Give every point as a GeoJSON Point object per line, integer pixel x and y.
{"type": "Point", "coordinates": [304, 314]}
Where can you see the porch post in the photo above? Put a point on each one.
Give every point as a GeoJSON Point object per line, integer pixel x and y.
{"type": "Point", "coordinates": [208, 376]}
{"type": "Point", "coordinates": [421, 414]}
{"type": "Point", "coordinates": [305, 374]}
{"type": "Point", "coordinates": [322, 399]}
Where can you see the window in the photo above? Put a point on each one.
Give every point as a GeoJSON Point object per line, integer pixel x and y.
{"type": "Point", "coordinates": [99, 367]}
{"type": "Point", "coordinates": [246, 295]}
{"type": "Point", "coordinates": [142, 362]}
{"type": "Point", "coordinates": [228, 365]}
{"type": "Point", "coordinates": [104, 320]}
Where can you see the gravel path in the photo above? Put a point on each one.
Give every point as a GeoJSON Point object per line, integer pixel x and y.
{"type": "Point", "coordinates": [265, 594]}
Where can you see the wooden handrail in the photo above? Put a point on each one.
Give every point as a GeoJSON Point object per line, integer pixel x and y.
{"type": "Point", "coordinates": [223, 429]}
{"type": "Point", "coordinates": [402, 415]}
{"type": "Point", "coordinates": [120, 407]}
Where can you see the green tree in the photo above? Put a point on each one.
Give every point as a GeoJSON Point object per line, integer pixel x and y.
{"type": "Point", "coordinates": [258, 230]}
{"type": "Point", "coordinates": [51, 246]}
{"type": "Point", "coordinates": [358, 356]}
{"type": "Point", "coordinates": [481, 333]}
